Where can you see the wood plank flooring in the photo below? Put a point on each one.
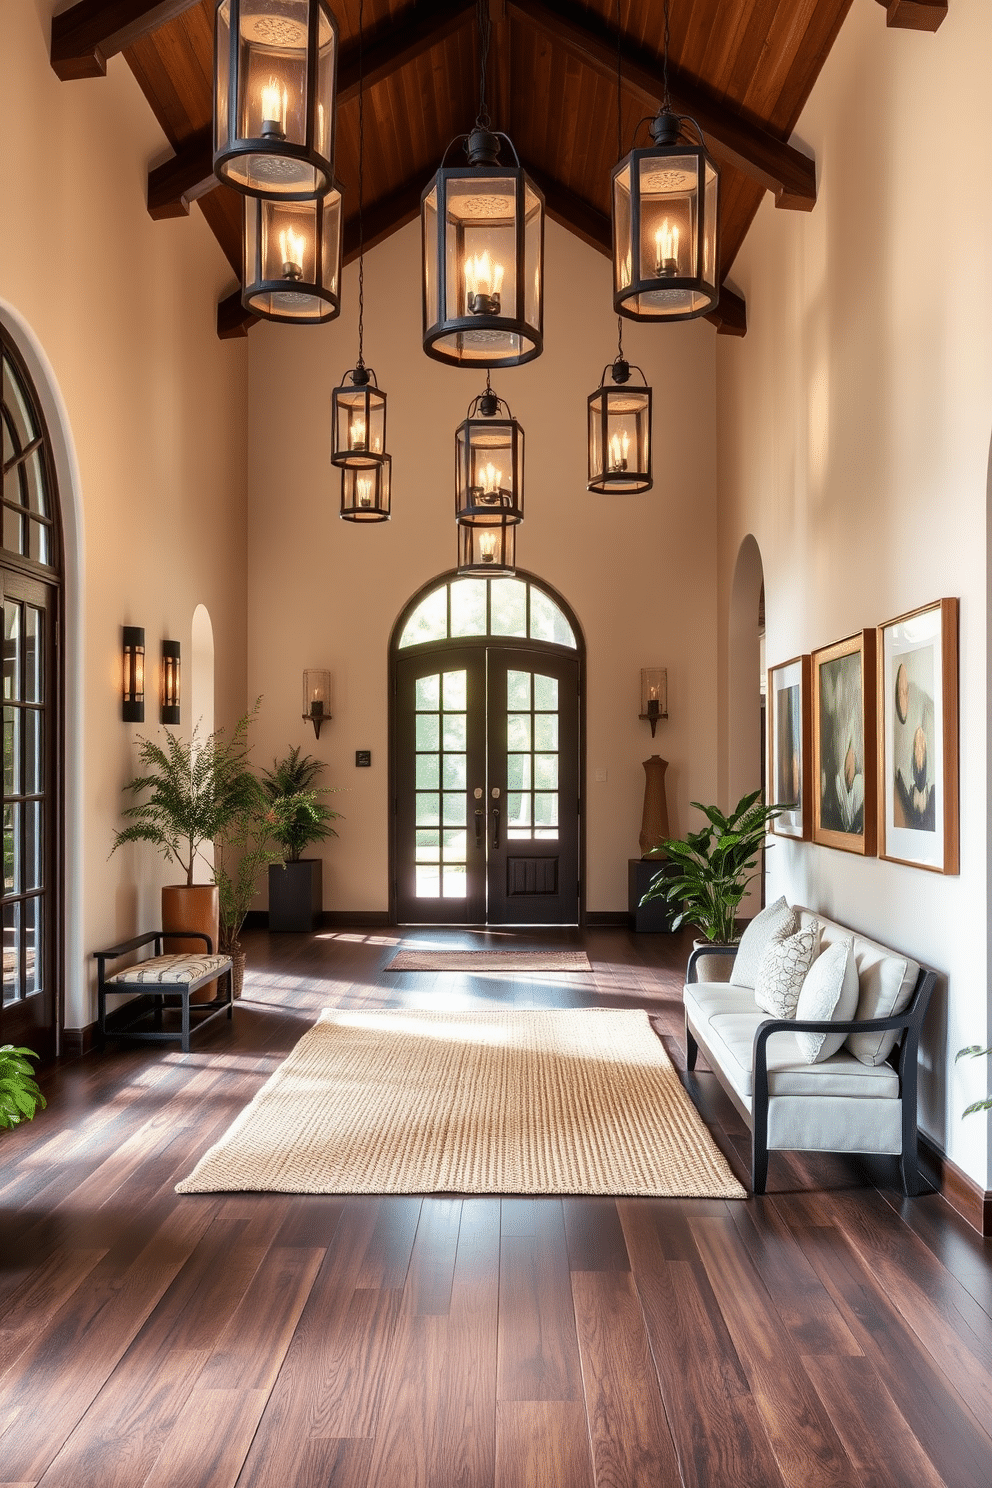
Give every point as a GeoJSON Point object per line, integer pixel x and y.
{"type": "Point", "coordinates": [828, 1335]}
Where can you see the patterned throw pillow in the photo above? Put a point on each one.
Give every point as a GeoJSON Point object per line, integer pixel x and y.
{"type": "Point", "coordinates": [783, 970]}
{"type": "Point", "coordinates": [774, 922]}
{"type": "Point", "coordinates": [830, 991]}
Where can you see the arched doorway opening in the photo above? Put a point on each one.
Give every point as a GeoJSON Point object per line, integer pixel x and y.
{"type": "Point", "coordinates": [31, 567]}
{"type": "Point", "coordinates": [486, 730]}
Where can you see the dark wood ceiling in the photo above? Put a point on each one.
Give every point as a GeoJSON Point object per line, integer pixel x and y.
{"type": "Point", "coordinates": [743, 68]}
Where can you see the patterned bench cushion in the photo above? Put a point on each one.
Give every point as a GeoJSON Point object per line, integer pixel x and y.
{"type": "Point", "coordinates": [170, 970]}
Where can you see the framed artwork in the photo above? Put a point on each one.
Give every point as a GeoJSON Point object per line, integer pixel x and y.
{"type": "Point", "coordinates": [789, 752]}
{"type": "Point", "coordinates": [845, 749]}
{"type": "Point", "coordinates": [918, 738]}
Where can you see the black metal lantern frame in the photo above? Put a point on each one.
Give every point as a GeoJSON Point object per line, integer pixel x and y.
{"type": "Point", "coordinates": [171, 704]}
{"type": "Point", "coordinates": [666, 226]}
{"type": "Point", "coordinates": [358, 420]}
{"type": "Point", "coordinates": [133, 678]}
{"type": "Point", "coordinates": [489, 463]}
{"type": "Point", "coordinates": [275, 81]}
{"type": "Point", "coordinates": [292, 257]}
{"type": "Point", "coordinates": [483, 270]}
{"type": "Point", "coordinates": [620, 432]}
{"type": "Point", "coordinates": [365, 491]}
{"type": "Point", "coordinates": [488, 548]}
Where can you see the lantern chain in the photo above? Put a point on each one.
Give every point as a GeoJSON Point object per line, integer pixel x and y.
{"type": "Point", "coordinates": [361, 185]}
{"type": "Point", "coordinates": [666, 102]}
{"type": "Point", "coordinates": [483, 119]}
{"type": "Point", "coordinates": [619, 116]}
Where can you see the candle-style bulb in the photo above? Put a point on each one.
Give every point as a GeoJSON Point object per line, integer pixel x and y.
{"type": "Point", "coordinates": [365, 491]}
{"type": "Point", "coordinates": [487, 546]}
{"type": "Point", "coordinates": [666, 242]}
{"type": "Point", "coordinates": [274, 103]}
{"type": "Point", "coordinates": [356, 433]}
{"type": "Point", "coordinates": [619, 449]}
{"type": "Point", "coordinates": [483, 283]}
{"type": "Point", "coordinates": [291, 246]}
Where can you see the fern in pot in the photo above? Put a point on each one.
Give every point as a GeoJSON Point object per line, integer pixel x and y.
{"type": "Point", "coordinates": [298, 818]}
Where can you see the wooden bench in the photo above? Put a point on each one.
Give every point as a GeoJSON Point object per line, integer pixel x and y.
{"type": "Point", "coordinates": [158, 977]}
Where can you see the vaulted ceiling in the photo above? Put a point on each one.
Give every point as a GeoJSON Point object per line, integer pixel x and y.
{"type": "Point", "coordinates": [742, 68]}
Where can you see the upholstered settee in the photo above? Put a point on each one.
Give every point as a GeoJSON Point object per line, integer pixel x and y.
{"type": "Point", "coordinates": [861, 1097]}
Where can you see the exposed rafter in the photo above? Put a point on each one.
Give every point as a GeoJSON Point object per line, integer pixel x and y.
{"type": "Point", "coordinates": [85, 36]}
{"type": "Point", "coordinates": [184, 178]}
{"type": "Point", "coordinates": [778, 166]}
{"type": "Point", "coordinates": [914, 15]}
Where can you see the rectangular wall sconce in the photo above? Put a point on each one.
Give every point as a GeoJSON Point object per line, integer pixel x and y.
{"type": "Point", "coordinates": [316, 697]}
{"type": "Point", "coordinates": [133, 684]}
{"type": "Point", "coordinates": [654, 695]}
{"type": "Point", "coordinates": [170, 682]}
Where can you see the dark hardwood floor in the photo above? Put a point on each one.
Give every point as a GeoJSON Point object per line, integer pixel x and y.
{"type": "Point", "coordinates": [829, 1333]}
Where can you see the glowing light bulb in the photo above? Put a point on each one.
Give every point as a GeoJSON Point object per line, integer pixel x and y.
{"type": "Point", "coordinates": [489, 478]}
{"type": "Point", "coordinates": [364, 484]}
{"type": "Point", "coordinates": [483, 283]}
{"type": "Point", "coordinates": [291, 246]}
{"type": "Point", "coordinates": [274, 102]}
{"type": "Point", "coordinates": [356, 433]}
{"type": "Point", "coordinates": [487, 546]}
{"type": "Point", "coordinates": [666, 242]}
{"type": "Point", "coordinates": [619, 449]}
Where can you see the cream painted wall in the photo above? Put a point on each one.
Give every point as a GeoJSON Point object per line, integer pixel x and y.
{"type": "Point", "coordinates": [854, 429]}
{"type": "Point", "coordinates": [117, 314]}
{"type": "Point", "coordinates": [638, 570]}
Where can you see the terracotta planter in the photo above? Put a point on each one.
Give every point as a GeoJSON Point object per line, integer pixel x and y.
{"type": "Point", "coordinates": [192, 907]}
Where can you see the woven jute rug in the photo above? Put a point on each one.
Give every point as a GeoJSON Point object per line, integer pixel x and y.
{"type": "Point", "coordinates": [488, 1102]}
{"type": "Point", "coordinates": [489, 961]}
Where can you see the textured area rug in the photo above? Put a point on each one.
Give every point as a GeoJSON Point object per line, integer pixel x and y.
{"type": "Point", "coordinates": [489, 1102]}
{"type": "Point", "coordinates": [489, 961]}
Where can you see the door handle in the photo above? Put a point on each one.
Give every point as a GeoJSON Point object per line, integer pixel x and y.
{"type": "Point", "coordinates": [495, 826]}
{"type": "Point", "coordinates": [480, 826]}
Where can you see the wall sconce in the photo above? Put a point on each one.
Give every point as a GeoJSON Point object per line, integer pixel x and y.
{"type": "Point", "coordinates": [170, 682]}
{"type": "Point", "coordinates": [133, 683]}
{"type": "Point", "coordinates": [654, 695]}
{"type": "Point", "coordinates": [316, 697]}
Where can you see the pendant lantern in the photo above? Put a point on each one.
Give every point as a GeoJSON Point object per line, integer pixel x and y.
{"type": "Point", "coordinates": [274, 97]}
{"type": "Point", "coordinates": [488, 547]}
{"type": "Point", "coordinates": [292, 258]}
{"type": "Point", "coordinates": [365, 491]}
{"type": "Point", "coordinates": [489, 464]}
{"type": "Point", "coordinates": [620, 432]}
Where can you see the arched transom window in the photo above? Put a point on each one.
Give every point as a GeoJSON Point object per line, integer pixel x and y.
{"type": "Point", "coordinates": [461, 608]}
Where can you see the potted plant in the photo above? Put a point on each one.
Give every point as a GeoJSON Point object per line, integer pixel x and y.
{"type": "Point", "coordinates": [243, 849]}
{"type": "Point", "coordinates": [710, 871]}
{"type": "Point", "coordinates": [297, 819]}
{"type": "Point", "coordinates": [193, 792]}
{"type": "Point", "coordinates": [20, 1096]}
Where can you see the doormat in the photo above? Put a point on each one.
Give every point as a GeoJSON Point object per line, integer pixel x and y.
{"type": "Point", "coordinates": [508, 1101]}
{"type": "Point", "coordinates": [489, 961]}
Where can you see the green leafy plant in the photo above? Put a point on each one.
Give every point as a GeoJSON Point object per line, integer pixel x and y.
{"type": "Point", "coordinates": [196, 792]}
{"type": "Point", "coordinates": [975, 1051]}
{"type": "Point", "coordinates": [297, 816]}
{"type": "Point", "coordinates": [20, 1096]}
{"type": "Point", "coordinates": [713, 867]}
{"type": "Point", "coordinates": [243, 850]}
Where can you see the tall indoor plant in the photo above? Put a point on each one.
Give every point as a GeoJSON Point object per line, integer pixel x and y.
{"type": "Point", "coordinates": [298, 818]}
{"type": "Point", "coordinates": [711, 870]}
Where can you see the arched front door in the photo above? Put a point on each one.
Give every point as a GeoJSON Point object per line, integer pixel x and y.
{"type": "Point", "coordinates": [486, 744]}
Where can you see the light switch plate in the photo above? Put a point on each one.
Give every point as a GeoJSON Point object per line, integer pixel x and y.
{"type": "Point", "coordinates": [363, 757]}
{"type": "Point", "coordinates": [600, 774]}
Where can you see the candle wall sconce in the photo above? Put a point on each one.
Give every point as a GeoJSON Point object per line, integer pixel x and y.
{"type": "Point", "coordinates": [365, 491]}
{"type": "Point", "coordinates": [654, 695]}
{"type": "Point", "coordinates": [316, 697]}
{"type": "Point", "coordinates": [620, 432]}
{"type": "Point", "coordinates": [274, 97]}
{"type": "Point", "coordinates": [293, 259]}
{"type": "Point", "coordinates": [133, 677]}
{"type": "Point", "coordinates": [171, 701]}
{"type": "Point", "coordinates": [489, 463]}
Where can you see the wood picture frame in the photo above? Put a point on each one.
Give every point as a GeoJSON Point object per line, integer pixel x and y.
{"type": "Point", "coordinates": [845, 747]}
{"type": "Point", "coordinates": [790, 755]}
{"type": "Point", "coordinates": [918, 810]}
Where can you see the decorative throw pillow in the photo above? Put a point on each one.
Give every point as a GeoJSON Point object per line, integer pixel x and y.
{"type": "Point", "coordinates": [773, 923]}
{"type": "Point", "coordinates": [783, 970]}
{"type": "Point", "coordinates": [830, 992]}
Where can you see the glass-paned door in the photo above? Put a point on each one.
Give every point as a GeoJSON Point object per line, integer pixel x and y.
{"type": "Point", "coordinates": [28, 1013]}
{"type": "Point", "coordinates": [486, 786]}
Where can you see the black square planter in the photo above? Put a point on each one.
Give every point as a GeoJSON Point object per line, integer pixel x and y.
{"type": "Point", "coordinates": [296, 895]}
{"type": "Point", "coordinates": [657, 914]}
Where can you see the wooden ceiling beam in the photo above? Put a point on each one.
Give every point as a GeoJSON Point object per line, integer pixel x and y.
{"type": "Point", "coordinates": [778, 166]}
{"type": "Point", "coordinates": [184, 178]}
{"type": "Point", "coordinates": [914, 15]}
{"type": "Point", "coordinates": [85, 36]}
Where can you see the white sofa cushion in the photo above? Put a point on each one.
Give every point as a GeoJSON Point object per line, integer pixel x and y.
{"type": "Point", "coordinates": [773, 923]}
{"type": "Point", "coordinates": [830, 991]}
{"type": "Point", "coordinates": [783, 971]}
{"type": "Point", "coordinates": [886, 979]}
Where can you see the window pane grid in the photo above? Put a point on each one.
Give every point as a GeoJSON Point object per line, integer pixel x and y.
{"type": "Point", "coordinates": [440, 769]}
{"type": "Point", "coordinates": [460, 608]}
{"type": "Point", "coordinates": [531, 756]}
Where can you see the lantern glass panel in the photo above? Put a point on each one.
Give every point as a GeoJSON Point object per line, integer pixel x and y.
{"type": "Point", "coordinates": [480, 248]}
{"type": "Point", "coordinates": [293, 258]}
{"type": "Point", "coordinates": [622, 268]}
{"type": "Point", "coordinates": [316, 692]}
{"type": "Point", "coordinates": [489, 456]}
{"type": "Point", "coordinates": [222, 80]}
{"type": "Point", "coordinates": [488, 548]}
{"type": "Point", "coordinates": [360, 425]}
{"type": "Point", "coordinates": [620, 439]}
{"type": "Point", "coordinates": [710, 226]}
{"type": "Point", "coordinates": [533, 254]}
{"type": "Point", "coordinates": [429, 216]}
{"type": "Point", "coordinates": [365, 492]}
{"type": "Point", "coordinates": [669, 190]}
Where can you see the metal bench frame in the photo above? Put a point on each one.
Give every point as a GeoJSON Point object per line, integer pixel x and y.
{"type": "Point", "coordinates": [159, 991]}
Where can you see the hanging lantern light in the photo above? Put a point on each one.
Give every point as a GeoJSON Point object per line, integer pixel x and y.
{"type": "Point", "coordinates": [487, 547]}
{"type": "Point", "coordinates": [365, 491]}
{"type": "Point", "coordinates": [665, 217]}
{"type": "Point", "coordinates": [620, 432]}
{"type": "Point", "coordinates": [489, 463]}
{"type": "Point", "coordinates": [292, 257]}
{"type": "Point", "coordinates": [483, 246]}
{"type": "Point", "coordinates": [274, 97]}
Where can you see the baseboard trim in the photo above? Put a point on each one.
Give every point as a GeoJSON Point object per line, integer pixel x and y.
{"type": "Point", "coordinates": [964, 1195]}
{"type": "Point", "coordinates": [77, 1041]}
{"type": "Point", "coordinates": [608, 918]}
{"type": "Point", "coordinates": [258, 919]}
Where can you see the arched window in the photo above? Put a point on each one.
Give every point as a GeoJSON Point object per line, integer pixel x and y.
{"type": "Point", "coordinates": [459, 609]}
{"type": "Point", "coordinates": [30, 558]}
